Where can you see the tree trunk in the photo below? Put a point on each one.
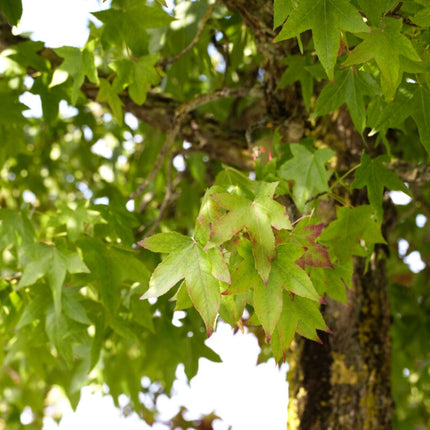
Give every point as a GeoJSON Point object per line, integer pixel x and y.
{"type": "Point", "coordinates": [344, 383]}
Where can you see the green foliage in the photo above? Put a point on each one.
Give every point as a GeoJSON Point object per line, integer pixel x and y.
{"type": "Point", "coordinates": [209, 164]}
{"type": "Point", "coordinates": [326, 19]}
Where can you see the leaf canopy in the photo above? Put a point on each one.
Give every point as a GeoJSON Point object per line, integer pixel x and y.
{"type": "Point", "coordinates": [233, 160]}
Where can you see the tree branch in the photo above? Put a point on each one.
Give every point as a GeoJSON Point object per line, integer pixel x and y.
{"type": "Point", "coordinates": [178, 119]}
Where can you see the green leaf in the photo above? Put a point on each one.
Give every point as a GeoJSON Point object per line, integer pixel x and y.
{"type": "Point", "coordinates": [137, 75]}
{"type": "Point", "coordinates": [144, 75]}
{"type": "Point", "coordinates": [129, 22]}
{"type": "Point", "coordinates": [374, 175]}
{"type": "Point", "coordinates": [350, 228]}
{"type": "Point", "coordinates": [27, 54]}
{"type": "Point", "coordinates": [35, 310]}
{"type": "Point", "coordinates": [232, 307]}
{"type": "Point", "coordinates": [330, 281]}
{"type": "Point", "coordinates": [268, 305]}
{"type": "Point", "coordinates": [281, 9]}
{"type": "Point", "coordinates": [12, 9]}
{"type": "Point", "coordinates": [298, 314]}
{"type": "Point", "coordinates": [326, 19]}
{"type": "Point", "coordinates": [202, 278]}
{"type": "Point", "coordinates": [209, 212]}
{"type": "Point", "coordinates": [11, 110]}
{"type": "Point", "coordinates": [413, 101]}
{"type": "Point", "coordinates": [257, 217]}
{"type": "Point", "coordinates": [422, 18]}
{"type": "Point", "coordinates": [203, 288]}
{"type": "Point", "coordinates": [349, 86]}
{"type": "Point", "coordinates": [308, 171]}
{"type": "Point", "coordinates": [77, 63]}
{"type": "Point", "coordinates": [57, 328]}
{"type": "Point", "coordinates": [15, 228]}
{"type": "Point", "coordinates": [169, 272]}
{"type": "Point", "coordinates": [73, 307]}
{"type": "Point", "coordinates": [236, 182]}
{"type": "Point", "coordinates": [386, 46]}
{"type": "Point", "coordinates": [41, 260]}
{"type": "Point", "coordinates": [308, 315]}
{"type": "Point", "coordinates": [244, 276]}
{"type": "Point", "coordinates": [288, 275]}
{"type": "Point", "coordinates": [299, 69]}
{"type": "Point", "coordinates": [109, 95]}
{"type": "Point", "coordinates": [375, 9]}
{"type": "Point", "coordinates": [166, 242]}
{"type": "Point", "coordinates": [76, 219]}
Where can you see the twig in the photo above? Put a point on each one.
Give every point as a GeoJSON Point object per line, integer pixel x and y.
{"type": "Point", "coordinates": [180, 115]}
{"type": "Point", "coordinates": [205, 19]}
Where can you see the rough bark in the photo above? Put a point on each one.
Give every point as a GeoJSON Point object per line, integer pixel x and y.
{"type": "Point", "coordinates": [344, 383]}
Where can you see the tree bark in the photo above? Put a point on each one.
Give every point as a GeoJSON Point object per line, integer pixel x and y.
{"type": "Point", "coordinates": [344, 383]}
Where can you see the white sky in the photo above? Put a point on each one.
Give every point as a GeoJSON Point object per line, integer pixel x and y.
{"type": "Point", "coordinates": [245, 396]}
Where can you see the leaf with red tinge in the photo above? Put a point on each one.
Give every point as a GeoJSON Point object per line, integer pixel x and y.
{"type": "Point", "coordinates": [256, 217]}
{"type": "Point", "coordinates": [209, 213]}
{"type": "Point", "coordinates": [315, 254]}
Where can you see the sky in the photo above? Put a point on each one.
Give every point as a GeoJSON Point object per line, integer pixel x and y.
{"type": "Point", "coordinates": [244, 395]}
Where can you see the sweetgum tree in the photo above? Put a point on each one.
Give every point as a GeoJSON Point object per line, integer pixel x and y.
{"type": "Point", "coordinates": [231, 159]}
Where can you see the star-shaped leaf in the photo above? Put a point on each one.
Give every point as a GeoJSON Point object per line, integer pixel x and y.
{"type": "Point", "coordinates": [422, 17]}
{"type": "Point", "coordinates": [349, 86]}
{"type": "Point", "coordinates": [375, 9]}
{"type": "Point", "coordinates": [256, 217]}
{"type": "Point", "coordinates": [348, 232]}
{"type": "Point", "coordinates": [386, 46]}
{"type": "Point", "coordinates": [299, 67]}
{"type": "Point", "coordinates": [308, 171]}
{"type": "Point", "coordinates": [129, 22]}
{"type": "Point", "coordinates": [326, 19]}
{"type": "Point", "coordinates": [286, 274]}
{"type": "Point", "coordinates": [108, 94]}
{"type": "Point", "coordinates": [138, 76]}
{"type": "Point", "coordinates": [332, 281]}
{"type": "Point", "coordinates": [187, 260]}
{"type": "Point", "coordinates": [374, 175]}
{"type": "Point", "coordinates": [77, 63]}
{"type": "Point", "coordinates": [268, 305]}
{"type": "Point", "coordinates": [281, 9]}
{"type": "Point", "coordinates": [413, 100]}
{"type": "Point", "coordinates": [298, 314]}
{"type": "Point", "coordinates": [315, 254]}
{"type": "Point", "coordinates": [39, 260]}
